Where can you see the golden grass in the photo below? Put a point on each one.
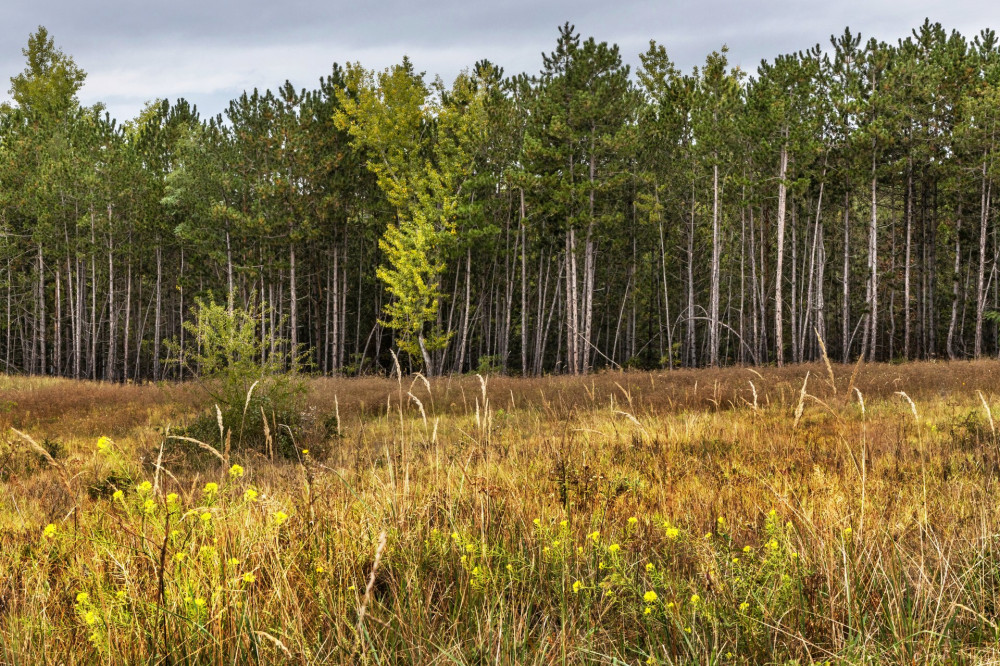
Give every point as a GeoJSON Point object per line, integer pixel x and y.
{"type": "Point", "coordinates": [457, 525]}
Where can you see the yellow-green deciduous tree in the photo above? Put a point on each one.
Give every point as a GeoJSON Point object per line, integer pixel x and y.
{"type": "Point", "coordinates": [420, 142]}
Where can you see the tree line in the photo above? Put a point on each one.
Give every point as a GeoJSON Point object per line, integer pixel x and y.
{"type": "Point", "coordinates": [583, 217]}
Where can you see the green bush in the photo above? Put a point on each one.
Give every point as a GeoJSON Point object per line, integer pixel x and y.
{"type": "Point", "coordinates": [249, 379]}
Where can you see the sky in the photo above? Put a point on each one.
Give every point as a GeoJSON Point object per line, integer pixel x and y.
{"type": "Point", "coordinates": [209, 51]}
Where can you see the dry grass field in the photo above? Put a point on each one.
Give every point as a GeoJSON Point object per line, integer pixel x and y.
{"type": "Point", "coordinates": [691, 517]}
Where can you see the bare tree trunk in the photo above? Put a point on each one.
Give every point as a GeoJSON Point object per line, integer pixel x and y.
{"type": "Point", "coordinates": [78, 341]}
{"type": "Point", "coordinates": [109, 368]}
{"type": "Point", "coordinates": [57, 344]}
{"type": "Point", "coordinates": [158, 316]}
{"type": "Point", "coordinates": [906, 267]}
{"type": "Point", "coordinates": [845, 318]}
{"type": "Point", "coordinates": [813, 265]}
{"type": "Point", "coordinates": [794, 305]}
{"type": "Point", "coordinates": [779, 344]}
{"type": "Point", "coordinates": [465, 314]}
{"type": "Point", "coordinates": [327, 334]}
{"type": "Point", "coordinates": [666, 293]}
{"type": "Point", "coordinates": [230, 294]}
{"type": "Point", "coordinates": [294, 306]}
{"type": "Point", "coordinates": [689, 353]}
{"type": "Point", "coordinates": [956, 276]}
{"type": "Point", "coordinates": [755, 303]}
{"type": "Point", "coordinates": [873, 271]}
{"type": "Point", "coordinates": [92, 365]}
{"type": "Point", "coordinates": [713, 301]}
{"type": "Point", "coordinates": [572, 302]}
{"type": "Point", "coordinates": [180, 320]}
{"type": "Point", "coordinates": [980, 284]}
{"type": "Point", "coordinates": [10, 326]}
{"type": "Point", "coordinates": [524, 291]}
{"type": "Point", "coordinates": [42, 365]}
{"type": "Point", "coordinates": [71, 309]}
{"type": "Point", "coordinates": [128, 319]}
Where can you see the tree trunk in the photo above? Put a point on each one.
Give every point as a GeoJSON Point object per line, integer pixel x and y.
{"type": "Point", "coordinates": [158, 315]}
{"type": "Point", "coordinates": [906, 266]}
{"type": "Point", "coordinates": [873, 266]}
{"type": "Point", "coordinates": [981, 274]}
{"type": "Point", "coordinates": [845, 317]}
{"type": "Point", "coordinates": [779, 344]}
{"type": "Point", "coordinates": [713, 301]}
{"type": "Point", "coordinates": [293, 307]}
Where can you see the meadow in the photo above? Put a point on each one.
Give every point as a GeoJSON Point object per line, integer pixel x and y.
{"type": "Point", "coordinates": [797, 515]}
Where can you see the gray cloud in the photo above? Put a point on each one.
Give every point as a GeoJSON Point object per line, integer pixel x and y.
{"type": "Point", "coordinates": [209, 51]}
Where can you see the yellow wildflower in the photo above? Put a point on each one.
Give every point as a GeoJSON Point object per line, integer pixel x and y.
{"type": "Point", "coordinates": [279, 517]}
{"type": "Point", "coordinates": [614, 548]}
{"type": "Point", "coordinates": [206, 517]}
{"type": "Point", "coordinates": [199, 602]}
{"type": "Point", "coordinates": [249, 578]}
{"type": "Point", "coordinates": [236, 471]}
{"type": "Point", "coordinates": [673, 532]}
{"type": "Point", "coordinates": [90, 617]}
{"type": "Point", "coordinates": [82, 598]}
{"type": "Point", "coordinates": [118, 495]}
{"type": "Point", "coordinates": [650, 567]}
{"type": "Point", "coordinates": [633, 521]}
{"type": "Point", "coordinates": [250, 495]}
{"type": "Point", "coordinates": [103, 443]}
{"type": "Point", "coordinates": [744, 607]}
{"type": "Point", "coordinates": [149, 506]}
{"type": "Point", "coordinates": [649, 597]}
{"type": "Point", "coordinates": [49, 531]}
{"type": "Point", "coordinates": [647, 611]}
{"type": "Point", "coordinates": [594, 536]}
{"type": "Point", "coordinates": [144, 487]}
{"type": "Point", "coordinates": [576, 587]}
{"type": "Point", "coordinates": [695, 598]}
{"type": "Point", "coordinates": [211, 488]}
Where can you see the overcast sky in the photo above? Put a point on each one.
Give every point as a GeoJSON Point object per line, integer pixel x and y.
{"type": "Point", "coordinates": [209, 51]}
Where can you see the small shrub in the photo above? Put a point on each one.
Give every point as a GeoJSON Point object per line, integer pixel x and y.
{"type": "Point", "coordinates": [249, 379]}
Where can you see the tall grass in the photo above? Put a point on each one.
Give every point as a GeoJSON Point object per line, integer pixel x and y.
{"type": "Point", "coordinates": [712, 517]}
